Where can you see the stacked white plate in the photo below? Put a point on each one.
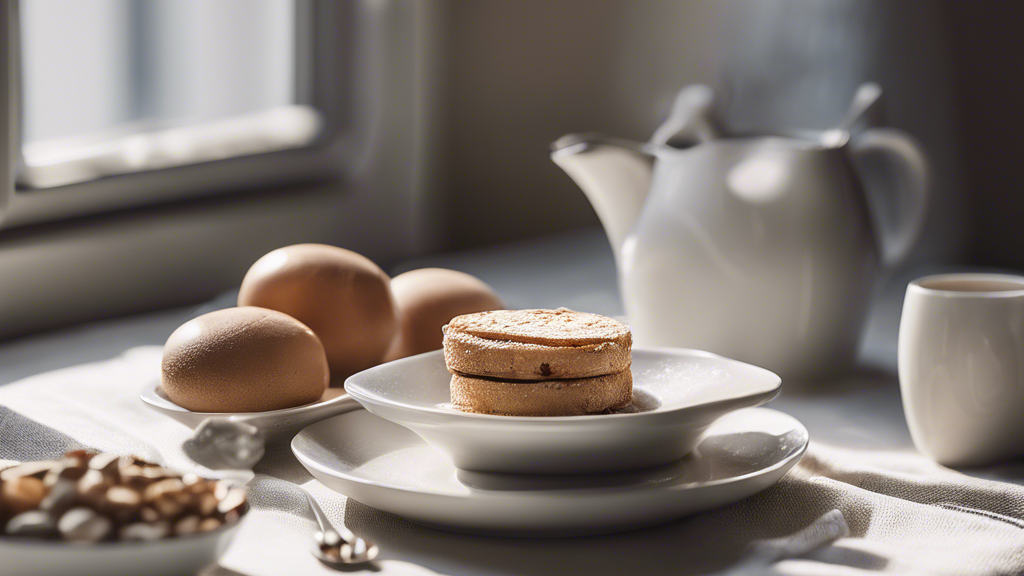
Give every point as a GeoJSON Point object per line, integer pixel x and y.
{"type": "Point", "coordinates": [691, 442]}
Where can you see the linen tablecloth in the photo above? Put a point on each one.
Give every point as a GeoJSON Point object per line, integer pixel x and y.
{"type": "Point", "coordinates": [861, 501]}
{"type": "Point", "coordinates": [904, 514]}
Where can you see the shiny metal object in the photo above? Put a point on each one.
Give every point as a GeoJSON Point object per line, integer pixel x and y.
{"type": "Point", "coordinates": [338, 548]}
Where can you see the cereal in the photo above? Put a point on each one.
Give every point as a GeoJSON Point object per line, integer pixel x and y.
{"type": "Point", "coordinates": [145, 531]}
{"type": "Point", "coordinates": [88, 497]}
{"type": "Point", "coordinates": [33, 469]}
{"type": "Point", "coordinates": [83, 524]}
{"type": "Point", "coordinates": [35, 523]}
{"type": "Point", "coordinates": [22, 493]}
{"type": "Point", "coordinates": [187, 525]}
{"type": "Point", "coordinates": [62, 496]}
{"type": "Point", "coordinates": [106, 464]}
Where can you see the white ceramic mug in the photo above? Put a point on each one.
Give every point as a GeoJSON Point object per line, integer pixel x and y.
{"type": "Point", "coordinates": [961, 366]}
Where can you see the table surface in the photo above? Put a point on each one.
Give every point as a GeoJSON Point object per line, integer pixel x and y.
{"type": "Point", "coordinates": [861, 410]}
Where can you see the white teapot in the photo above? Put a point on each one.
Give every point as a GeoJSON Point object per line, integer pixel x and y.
{"type": "Point", "coordinates": [758, 247]}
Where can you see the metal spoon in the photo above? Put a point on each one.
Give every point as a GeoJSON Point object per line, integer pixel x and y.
{"type": "Point", "coordinates": [864, 107]}
{"type": "Point", "coordinates": [691, 120]}
{"type": "Point", "coordinates": [865, 111]}
{"type": "Point", "coordinates": [338, 549]}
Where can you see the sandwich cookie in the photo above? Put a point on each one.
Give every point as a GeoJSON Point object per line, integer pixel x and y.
{"type": "Point", "coordinates": [538, 362]}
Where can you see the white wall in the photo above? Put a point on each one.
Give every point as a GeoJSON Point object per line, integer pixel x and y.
{"type": "Point", "coordinates": [524, 73]}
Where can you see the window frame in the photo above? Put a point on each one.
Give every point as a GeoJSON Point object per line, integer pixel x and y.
{"type": "Point", "coordinates": [68, 258]}
{"type": "Point", "coordinates": [324, 60]}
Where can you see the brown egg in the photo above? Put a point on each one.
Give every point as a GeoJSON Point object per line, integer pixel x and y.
{"type": "Point", "coordinates": [342, 296]}
{"type": "Point", "coordinates": [427, 299]}
{"type": "Point", "coordinates": [243, 360]}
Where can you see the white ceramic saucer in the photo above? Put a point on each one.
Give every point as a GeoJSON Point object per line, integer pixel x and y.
{"type": "Point", "coordinates": [677, 395]}
{"type": "Point", "coordinates": [390, 468]}
{"type": "Point", "coordinates": [277, 425]}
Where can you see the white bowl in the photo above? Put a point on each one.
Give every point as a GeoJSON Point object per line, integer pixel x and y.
{"type": "Point", "coordinates": [679, 394]}
{"type": "Point", "coordinates": [277, 425]}
{"type": "Point", "coordinates": [167, 556]}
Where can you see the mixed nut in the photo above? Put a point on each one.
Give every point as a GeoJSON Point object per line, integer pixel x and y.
{"type": "Point", "coordinates": [95, 497]}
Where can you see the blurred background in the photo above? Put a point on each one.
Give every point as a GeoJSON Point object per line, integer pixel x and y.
{"type": "Point", "coordinates": [158, 147]}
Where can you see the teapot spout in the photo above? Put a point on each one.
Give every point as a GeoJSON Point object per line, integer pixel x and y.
{"type": "Point", "coordinates": [614, 174]}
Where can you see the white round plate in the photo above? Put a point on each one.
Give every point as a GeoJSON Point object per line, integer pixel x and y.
{"type": "Point", "coordinates": [167, 556]}
{"type": "Point", "coordinates": [277, 425]}
{"type": "Point", "coordinates": [386, 466]}
{"type": "Point", "coordinates": [677, 394]}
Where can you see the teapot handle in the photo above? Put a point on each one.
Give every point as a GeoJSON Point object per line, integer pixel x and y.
{"type": "Point", "coordinates": [895, 170]}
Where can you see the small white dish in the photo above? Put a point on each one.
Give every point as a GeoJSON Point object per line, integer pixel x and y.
{"type": "Point", "coordinates": [386, 466]}
{"type": "Point", "coordinates": [277, 425]}
{"type": "Point", "coordinates": [678, 394]}
{"type": "Point", "coordinates": [167, 556]}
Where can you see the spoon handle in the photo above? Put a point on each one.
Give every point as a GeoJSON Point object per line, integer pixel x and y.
{"type": "Point", "coordinates": [692, 119]}
{"type": "Point", "coordinates": [321, 519]}
{"type": "Point", "coordinates": [864, 105]}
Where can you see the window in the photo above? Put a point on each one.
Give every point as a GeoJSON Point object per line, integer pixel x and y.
{"type": "Point", "coordinates": [360, 78]}
{"type": "Point", "coordinates": [118, 86]}
{"type": "Point", "coordinates": [123, 103]}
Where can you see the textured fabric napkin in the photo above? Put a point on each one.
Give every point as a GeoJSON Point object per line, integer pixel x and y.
{"type": "Point", "coordinates": [840, 511]}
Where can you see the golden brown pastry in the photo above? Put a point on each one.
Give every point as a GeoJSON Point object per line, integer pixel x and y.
{"type": "Point", "coordinates": [561, 327]}
{"type": "Point", "coordinates": [506, 359]}
{"type": "Point", "coordinates": [538, 362]}
{"type": "Point", "coordinates": [570, 397]}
